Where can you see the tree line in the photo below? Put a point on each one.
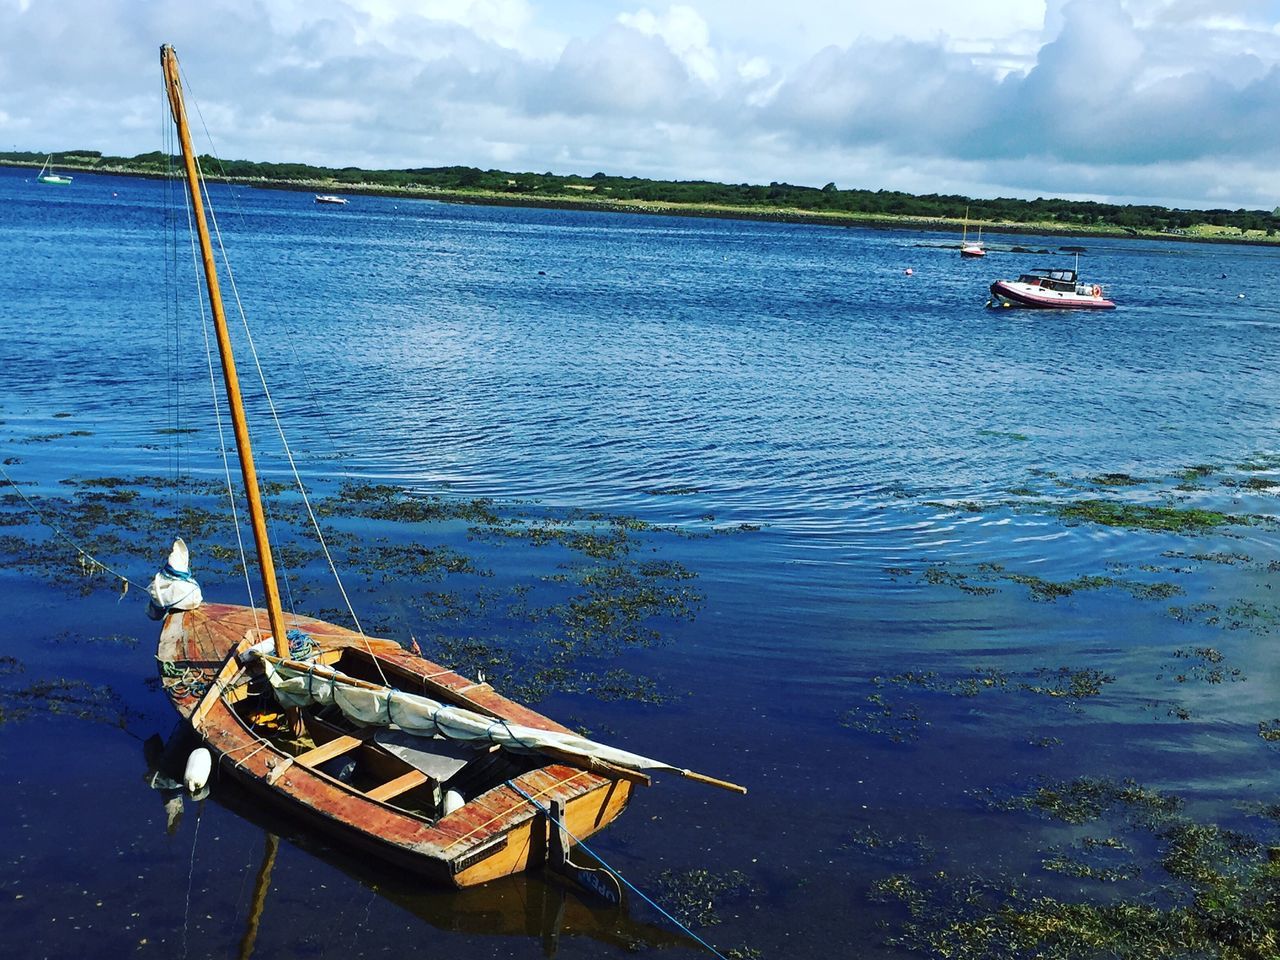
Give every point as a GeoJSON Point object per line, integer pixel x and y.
{"type": "Point", "coordinates": [603, 188]}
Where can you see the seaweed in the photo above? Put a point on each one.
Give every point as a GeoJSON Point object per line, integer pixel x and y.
{"type": "Point", "coordinates": [939, 575]}
{"type": "Point", "coordinates": [1252, 483]}
{"type": "Point", "coordinates": [698, 897]}
{"type": "Point", "coordinates": [1112, 513]}
{"type": "Point", "coordinates": [1204, 664]}
{"type": "Point", "coordinates": [1042, 590]}
{"type": "Point", "coordinates": [899, 722]}
{"type": "Point", "coordinates": [67, 697]}
{"type": "Point", "coordinates": [1077, 684]}
{"type": "Point", "coordinates": [1219, 556]}
{"type": "Point", "coordinates": [896, 851]}
{"type": "Point", "coordinates": [1006, 434]}
{"type": "Point", "coordinates": [1116, 480]}
{"type": "Point", "coordinates": [1086, 799]}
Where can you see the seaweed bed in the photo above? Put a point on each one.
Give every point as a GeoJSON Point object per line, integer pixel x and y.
{"type": "Point", "coordinates": [1216, 891]}
{"type": "Point", "coordinates": [538, 602]}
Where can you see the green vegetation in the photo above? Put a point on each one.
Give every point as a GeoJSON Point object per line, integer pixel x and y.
{"type": "Point", "coordinates": [1112, 513]}
{"type": "Point", "coordinates": [701, 197]}
{"type": "Point", "coordinates": [1216, 887]}
{"type": "Point", "coordinates": [697, 897]}
{"type": "Point", "coordinates": [889, 714]}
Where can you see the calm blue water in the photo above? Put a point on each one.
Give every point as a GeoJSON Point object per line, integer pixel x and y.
{"type": "Point", "coordinates": [891, 445]}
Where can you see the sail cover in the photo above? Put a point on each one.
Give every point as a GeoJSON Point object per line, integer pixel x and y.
{"type": "Point", "coordinates": [424, 717]}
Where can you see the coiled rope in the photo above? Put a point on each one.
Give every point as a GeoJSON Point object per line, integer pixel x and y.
{"type": "Point", "coordinates": [183, 682]}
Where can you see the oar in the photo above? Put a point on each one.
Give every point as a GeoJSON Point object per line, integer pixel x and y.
{"type": "Point", "coordinates": [712, 781]}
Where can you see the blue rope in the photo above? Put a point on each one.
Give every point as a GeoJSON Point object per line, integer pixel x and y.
{"type": "Point", "coordinates": [176, 574]}
{"type": "Point", "coordinates": [599, 859]}
{"type": "Point", "coordinates": [301, 645]}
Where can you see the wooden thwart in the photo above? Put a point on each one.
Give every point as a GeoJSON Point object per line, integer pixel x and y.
{"type": "Point", "coordinates": [401, 784]}
{"type": "Point", "coordinates": [327, 751]}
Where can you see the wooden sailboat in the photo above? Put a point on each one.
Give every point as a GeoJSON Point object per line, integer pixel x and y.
{"type": "Point", "coordinates": [47, 175]}
{"type": "Point", "coordinates": [459, 784]}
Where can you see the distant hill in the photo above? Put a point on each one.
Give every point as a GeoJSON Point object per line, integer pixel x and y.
{"type": "Point", "coordinates": [700, 196]}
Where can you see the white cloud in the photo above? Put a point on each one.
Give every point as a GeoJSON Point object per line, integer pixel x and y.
{"type": "Point", "coordinates": [1164, 99]}
{"type": "Point", "coordinates": [685, 33]}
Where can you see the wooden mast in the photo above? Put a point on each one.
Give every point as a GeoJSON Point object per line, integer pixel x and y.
{"type": "Point", "coordinates": [173, 85]}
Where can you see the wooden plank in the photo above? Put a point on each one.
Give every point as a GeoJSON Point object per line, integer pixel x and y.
{"type": "Point", "coordinates": [401, 784]}
{"type": "Point", "coordinates": [327, 751]}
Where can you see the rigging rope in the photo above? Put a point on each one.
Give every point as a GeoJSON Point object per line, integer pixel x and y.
{"type": "Point", "coordinates": [217, 414]}
{"type": "Point", "coordinates": [170, 305]}
{"type": "Point", "coordinates": [293, 467]}
{"type": "Point", "coordinates": [546, 812]}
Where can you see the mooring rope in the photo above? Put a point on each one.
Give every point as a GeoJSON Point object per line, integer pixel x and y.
{"type": "Point", "coordinates": [97, 564]}
{"type": "Point", "coordinates": [191, 874]}
{"type": "Point", "coordinates": [599, 859]}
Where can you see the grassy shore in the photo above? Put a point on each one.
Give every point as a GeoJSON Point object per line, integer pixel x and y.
{"type": "Point", "coordinates": [583, 199]}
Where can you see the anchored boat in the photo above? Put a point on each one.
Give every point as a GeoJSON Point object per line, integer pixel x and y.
{"type": "Point", "coordinates": [971, 249]}
{"type": "Point", "coordinates": [330, 199]}
{"type": "Point", "coordinates": [47, 175]}
{"type": "Point", "coordinates": [1049, 289]}
{"type": "Point", "coordinates": [367, 742]}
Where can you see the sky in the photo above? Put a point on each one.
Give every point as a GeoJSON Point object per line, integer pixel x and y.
{"type": "Point", "coordinates": [1175, 102]}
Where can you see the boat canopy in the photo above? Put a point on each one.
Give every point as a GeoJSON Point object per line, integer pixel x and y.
{"type": "Point", "coordinates": [1065, 276]}
{"type": "Point", "coordinates": [424, 717]}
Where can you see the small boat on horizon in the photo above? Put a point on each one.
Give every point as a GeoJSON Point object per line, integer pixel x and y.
{"type": "Point", "coordinates": [1049, 289]}
{"type": "Point", "coordinates": [330, 198]}
{"type": "Point", "coordinates": [971, 250]}
{"type": "Point", "coordinates": [46, 175]}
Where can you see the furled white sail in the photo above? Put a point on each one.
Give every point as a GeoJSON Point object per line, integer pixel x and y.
{"type": "Point", "coordinates": [422, 716]}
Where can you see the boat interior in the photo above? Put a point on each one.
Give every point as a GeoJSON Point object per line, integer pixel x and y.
{"type": "Point", "coordinates": [426, 777]}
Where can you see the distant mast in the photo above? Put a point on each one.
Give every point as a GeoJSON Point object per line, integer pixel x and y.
{"type": "Point", "coordinates": [169, 61]}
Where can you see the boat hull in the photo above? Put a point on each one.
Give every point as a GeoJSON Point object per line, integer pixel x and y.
{"type": "Point", "coordinates": [494, 834]}
{"type": "Point", "coordinates": [1007, 293]}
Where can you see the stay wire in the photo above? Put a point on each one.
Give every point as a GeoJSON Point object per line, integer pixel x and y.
{"type": "Point", "coordinates": [275, 416]}
{"type": "Point", "coordinates": [335, 449]}
{"type": "Point", "coordinates": [217, 414]}
{"type": "Point", "coordinates": [226, 263]}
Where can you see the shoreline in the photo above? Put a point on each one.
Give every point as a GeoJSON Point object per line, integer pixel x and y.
{"type": "Point", "coordinates": [669, 209]}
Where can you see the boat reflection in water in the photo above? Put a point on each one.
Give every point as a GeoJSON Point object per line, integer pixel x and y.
{"type": "Point", "coordinates": [535, 905]}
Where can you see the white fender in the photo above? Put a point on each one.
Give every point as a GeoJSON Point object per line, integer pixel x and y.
{"type": "Point", "coordinates": [452, 801]}
{"type": "Point", "coordinates": [199, 766]}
